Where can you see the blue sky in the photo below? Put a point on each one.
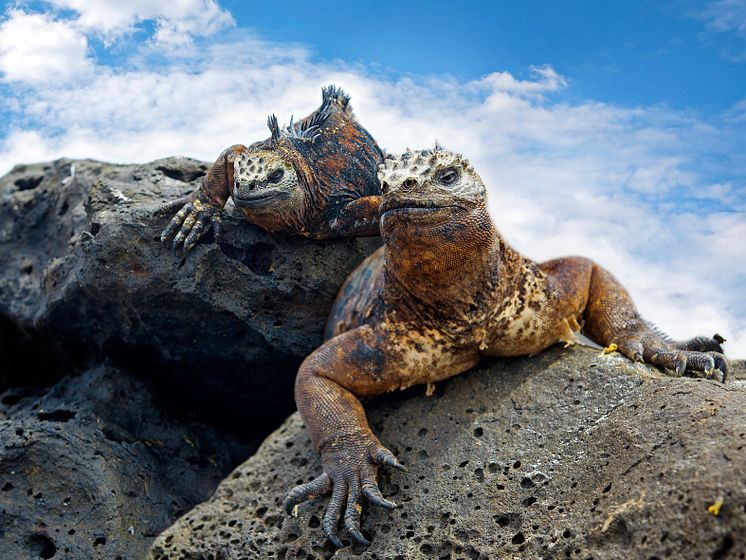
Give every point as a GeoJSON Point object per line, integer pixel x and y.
{"type": "Point", "coordinates": [613, 130]}
{"type": "Point", "coordinates": [631, 52]}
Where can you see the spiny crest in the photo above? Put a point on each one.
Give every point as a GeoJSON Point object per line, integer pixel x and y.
{"type": "Point", "coordinates": [306, 131]}
{"type": "Point", "coordinates": [274, 128]}
{"type": "Point", "coordinates": [329, 96]}
{"type": "Point", "coordinates": [332, 93]}
{"type": "Point", "coordinates": [310, 130]}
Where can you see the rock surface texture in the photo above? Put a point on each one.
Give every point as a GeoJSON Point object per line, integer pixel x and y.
{"type": "Point", "coordinates": [569, 454]}
{"type": "Point", "coordinates": [99, 464]}
{"type": "Point", "coordinates": [85, 276]}
{"type": "Point", "coordinates": [92, 469]}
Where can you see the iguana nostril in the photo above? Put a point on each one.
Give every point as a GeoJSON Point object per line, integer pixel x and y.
{"type": "Point", "coordinates": [409, 184]}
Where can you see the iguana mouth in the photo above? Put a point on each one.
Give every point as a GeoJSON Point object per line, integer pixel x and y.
{"type": "Point", "coordinates": [260, 198]}
{"type": "Point", "coordinates": [415, 206]}
{"type": "Point", "coordinates": [421, 213]}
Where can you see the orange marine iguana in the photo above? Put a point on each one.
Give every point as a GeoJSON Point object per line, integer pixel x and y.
{"type": "Point", "coordinates": [315, 178]}
{"type": "Point", "coordinates": [444, 290]}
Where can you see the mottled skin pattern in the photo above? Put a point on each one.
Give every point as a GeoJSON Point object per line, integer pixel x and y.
{"type": "Point", "coordinates": [315, 178]}
{"type": "Point", "coordinates": [444, 290]}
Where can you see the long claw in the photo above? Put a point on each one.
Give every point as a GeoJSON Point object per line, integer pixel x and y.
{"type": "Point", "coordinates": [375, 497]}
{"type": "Point", "coordinates": [721, 365]}
{"type": "Point", "coordinates": [174, 224]}
{"type": "Point", "coordinates": [333, 510]}
{"type": "Point", "coordinates": [317, 487]}
{"type": "Point", "coordinates": [195, 234]}
{"type": "Point", "coordinates": [217, 226]}
{"type": "Point", "coordinates": [681, 365]}
{"type": "Point", "coordinates": [358, 537]}
{"type": "Point", "coordinates": [186, 228]}
{"type": "Point", "coordinates": [385, 457]}
{"type": "Point", "coordinates": [352, 514]}
{"type": "Point", "coordinates": [169, 207]}
{"type": "Point", "coordinates": [334, 539]}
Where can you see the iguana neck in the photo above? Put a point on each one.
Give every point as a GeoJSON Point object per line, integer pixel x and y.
{"type": "Point", "coordinates": [448, 267]}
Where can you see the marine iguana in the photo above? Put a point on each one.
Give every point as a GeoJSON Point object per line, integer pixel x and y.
{"type": "Point", "coordinates": [315, 178]}
{"type": "Point", "coordinates": [444, 290]}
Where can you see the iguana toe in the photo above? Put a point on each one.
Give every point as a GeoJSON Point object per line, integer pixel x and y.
{"type": "Point", "coordinates": [373, 493]}
{"type": "Point", "coordinates": [319, 486]}
{"type": "Point", "coordinates": [332, 513]}
{"type": "Point", "coordinates": [353, 513]}
{"type": "Point", "coordinates": [174, 225]}
{"type": "Point", "coordinates": [682, 358]}
{"type": "Point", "coordinates": [383, 456]}
{"type": "Point", "coordinates": [169, 207]}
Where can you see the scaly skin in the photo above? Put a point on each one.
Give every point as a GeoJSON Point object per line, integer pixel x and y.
{"type": "Point", "coordinates": [444, 290]}
{"type": "Point", "coordinates": [315, 178]}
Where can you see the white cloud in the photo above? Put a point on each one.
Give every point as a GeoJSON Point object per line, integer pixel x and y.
{"type": "Point", "coordinates": [547, 80]}
{"type": "Point", "coordinates": [619, 185]}
{"type": "Point", "coordinates": [36, 48]}
{"type": "Point", "coordinates": [176, 21]}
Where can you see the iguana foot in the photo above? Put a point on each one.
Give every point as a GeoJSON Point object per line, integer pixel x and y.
{"type": "Point", "coordinates": [195, 218]}
{"type": "Point", "coordinates": [349, 473]}
{"type": "Point", "coordinates": [678, 357]}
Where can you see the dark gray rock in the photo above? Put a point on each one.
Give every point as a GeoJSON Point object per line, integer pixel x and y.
{"type": "Point", "coordinates": [569, 454]}
{"type": "Point", "coordinates": [84, 276]}
{"type": "Point", "coordinates": [92, 469]}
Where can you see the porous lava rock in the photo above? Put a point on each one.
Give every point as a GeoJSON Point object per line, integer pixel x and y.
{"type": "Point", "coordinates": [92, 469]}
{"type": "Point", "coordinates": [85, 277]}
{"type": "Point", "coordinates": [568, 454]}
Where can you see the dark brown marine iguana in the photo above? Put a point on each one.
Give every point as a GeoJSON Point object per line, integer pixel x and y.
{"type": "Point", "coordinates": [315, 178]}
{"type": "Point", "coordinates": [444, 290]}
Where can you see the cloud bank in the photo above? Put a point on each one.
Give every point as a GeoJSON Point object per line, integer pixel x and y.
{"type": "Point", "coordinates": [656, 196]}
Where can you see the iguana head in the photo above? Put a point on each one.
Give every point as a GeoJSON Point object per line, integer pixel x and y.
{"type": "Point", "coordinates": [265, 181]}
{"type": "Point", "coordinates": [434, 220]}
{"type": "Point", "coordinates": [429, 187]}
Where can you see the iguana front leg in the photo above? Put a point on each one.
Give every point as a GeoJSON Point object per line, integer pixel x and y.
{"type": "Point", "coordinates": [325, 391]}
{"type": "Point", "coordinates": [202, 209]}
{"type": "Point", "coordinates": [610, 318]}
{"type": "Point", "coordinates": [359, 218]}
{"type": "Point", "coordinates": [365, 361]}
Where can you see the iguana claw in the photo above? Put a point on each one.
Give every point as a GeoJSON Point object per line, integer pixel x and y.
{"type": "Point", "coordinates": [194, 219]}
{"type": "Point", "coordinates": [349, 475]}
{"type": "Point", "coordinates": [677, 357]}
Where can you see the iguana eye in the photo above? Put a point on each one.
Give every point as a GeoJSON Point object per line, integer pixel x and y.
{"type": "Point", "coordinates": [275, 176]}
{"type": "Point", "coordinates": [447, 176]}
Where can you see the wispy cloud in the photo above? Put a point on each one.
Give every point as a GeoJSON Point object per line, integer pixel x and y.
{"type": "Point", "coordinates": [727, 17]}
{"type": "Point", "coordinates": [654, 195]}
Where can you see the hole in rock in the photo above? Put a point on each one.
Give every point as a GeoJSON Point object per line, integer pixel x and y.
{"type": "Point", "coordinates": [42, 546]}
